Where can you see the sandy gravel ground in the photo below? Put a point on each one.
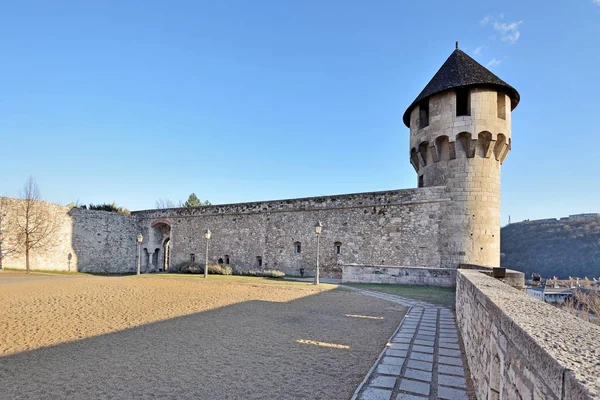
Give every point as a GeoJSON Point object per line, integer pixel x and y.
{"type": "Point", "coordinates": [169, 337]}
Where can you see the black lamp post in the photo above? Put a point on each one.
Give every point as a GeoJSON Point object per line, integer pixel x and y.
{"type": "Point", "coordinates": [207, 234]}
{"type": "Point", "coordinates": [318, 230]}
{"type": "Point", "coordinates": [140, 239]}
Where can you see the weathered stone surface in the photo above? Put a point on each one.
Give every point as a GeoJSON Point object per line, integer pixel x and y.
{"type": "Point", "coordinates": [422, 365]}
{"type": "Point", "coordinates": [389, 369]}
{"type": "Point", "coordinates": [450, 380]}
{"type": "Point", "coordinates": [464, 154]}
{"type": "Point", "coordinates": [242, 234]}
{"type": "Point", "coordinates": [376, 394]}
{"type": "Point", "coordinates": [82, 240]}
{"type": "Point", "coordinates": [415, 386]}
{"type": "Point", "coordinates": [393, 361]}
{"type": "Point", "coordinates": [399, 275]}
{"type": "Point", "coordinates": [382, 381]}
{"type": "Point", "coordinates": [360, 223]}
{"type": "Point", "coordinates": [421, 356]}
{"type": "Point", "coordinates": [418, 375]}
{"type": "Point", "coordinates": [449, 369]}
{"type": "Point", "coordinates": [448, 393]}
{"type": "Point", "coordinates": [522, 347]}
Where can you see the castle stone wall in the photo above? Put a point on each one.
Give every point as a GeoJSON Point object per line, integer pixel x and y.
{"type": "Point", "coordinates": [104, 241]}
{"type": "Point", "coordinates": [399, 227]}
{"type": "Point", "coordinates": [520, 348]}
{"type": "Point", "coordinates": [82, 240]}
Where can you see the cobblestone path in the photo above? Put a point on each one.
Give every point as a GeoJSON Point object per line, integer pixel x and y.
{"type": "Point", "coordinates": [422, 360]}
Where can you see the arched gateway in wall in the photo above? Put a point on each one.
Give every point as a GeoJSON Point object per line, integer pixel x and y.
{"type": "Point", "coordinates": [156, 247]}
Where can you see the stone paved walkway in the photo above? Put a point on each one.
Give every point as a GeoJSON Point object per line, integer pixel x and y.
{"type": "Point", "coordinates": [421, 361]}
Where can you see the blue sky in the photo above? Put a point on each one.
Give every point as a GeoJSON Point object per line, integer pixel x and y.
{"type": "Point", "coordinates": [131, 101]}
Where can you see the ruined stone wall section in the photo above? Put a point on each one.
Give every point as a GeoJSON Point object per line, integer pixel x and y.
{"type": "Point", "coordinates": [104, 241]}
{"type": "Point", "coordinates": [83, 240]}
{"type": "Point", "coordinates": [464, 154]}
{"type": "Point", "coordinates": [54, 254]}
{"type": "Point", "coordinates": [394, 228]}
{"type": "Point", "coordinates": [520, 348]}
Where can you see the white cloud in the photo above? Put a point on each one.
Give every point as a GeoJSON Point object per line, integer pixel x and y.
{"type": "Point", "coordinates": [509, 32]}
{"type": "Point", "coordinates": [478, 50]}
{"type": "Point", "coordinates": [494, 61]}
{"type": "Point", "coordinates": [596, 2]}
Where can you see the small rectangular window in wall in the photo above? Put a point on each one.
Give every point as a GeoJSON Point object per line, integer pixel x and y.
{"type": "Point", "coordinates": [338, 247]}
{"type": "Point", "coordinates": [421, 181]}
{"type": "Point", "coordinates": [424, 114]}
{"type": "Point", "coordinates": [192, 257]}
{"type": "Point", "coordinates": [463, 102]}
{"type": "Point", "coordinates": [501, 105]}
{"type": "Point", "coordinates": [259, 261]}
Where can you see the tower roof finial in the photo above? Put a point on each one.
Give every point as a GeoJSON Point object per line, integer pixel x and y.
{"type": "Point", "coordinates": [457, 45]}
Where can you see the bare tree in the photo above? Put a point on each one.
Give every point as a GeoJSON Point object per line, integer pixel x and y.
{"type": "Point", "coordinates": [35, 222]}
{"type": "Point", "coordinates": [593, 304]}
{"type": "Point", "coordinates": [7, 245]}
{"type": "Point", "coordinates": [165, 203]}
{"type": "Point", "coordinates": [589, 302]}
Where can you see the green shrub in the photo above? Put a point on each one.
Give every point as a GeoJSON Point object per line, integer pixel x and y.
{"type": "Point", "coordinates": [265, 273]}
{"type": "Point", "coordinates": [195, 268]}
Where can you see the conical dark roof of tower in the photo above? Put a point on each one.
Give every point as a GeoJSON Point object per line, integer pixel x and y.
{"type": "Point", "coordinates": [460, 70]}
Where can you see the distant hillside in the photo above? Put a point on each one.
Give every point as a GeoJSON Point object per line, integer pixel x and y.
{"type": "Point", "coordinates": [566, 247]}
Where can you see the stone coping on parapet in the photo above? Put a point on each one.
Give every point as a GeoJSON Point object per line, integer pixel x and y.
{"type": "Point", "coordinates": [512, 277]}
{"type": "Point", "coordinates": [563, 348]}
{"type": "Point", "coordinates": [400, 197]}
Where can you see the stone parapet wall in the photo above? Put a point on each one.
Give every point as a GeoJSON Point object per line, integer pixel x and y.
{"type": "Point", "coordinates": [444, 277]}
{"type": "Point", "coordinates": [520, 348]}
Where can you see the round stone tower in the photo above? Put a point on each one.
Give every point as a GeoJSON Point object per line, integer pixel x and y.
{"type": "Point", "coordinates": [460, 134]}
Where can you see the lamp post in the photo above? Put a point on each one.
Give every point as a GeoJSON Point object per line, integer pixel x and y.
{"type": "Point", "coordinates": [318, 229]}
{"type": "Point", "coordinates": [207, 234]}
{"type": "Point", "coordinates": [140, 239]}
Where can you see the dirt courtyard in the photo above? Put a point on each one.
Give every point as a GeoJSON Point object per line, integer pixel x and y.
{"type": "Point", "coordinates": [83, 337]}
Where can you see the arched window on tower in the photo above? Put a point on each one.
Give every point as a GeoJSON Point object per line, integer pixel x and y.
{"type": "Point", "coordinates": [297, 247]}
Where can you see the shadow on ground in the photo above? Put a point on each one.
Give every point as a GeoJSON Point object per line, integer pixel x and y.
{"type": "Point", "coordinates": [247, 350]}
